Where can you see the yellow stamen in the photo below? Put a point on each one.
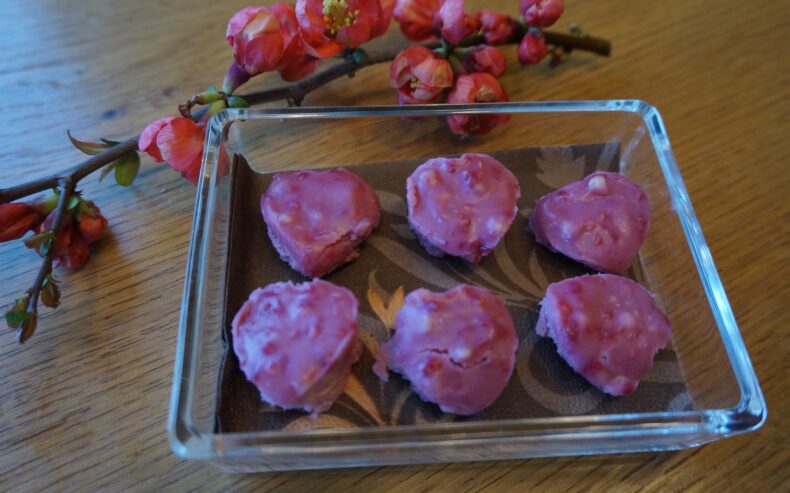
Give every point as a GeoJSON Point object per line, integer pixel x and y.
{"type": "Point", "coordinates": [337, 16]}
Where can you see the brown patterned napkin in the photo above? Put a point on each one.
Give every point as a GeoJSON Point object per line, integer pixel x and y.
{"type": "Point", "coordinates": [392, 264]}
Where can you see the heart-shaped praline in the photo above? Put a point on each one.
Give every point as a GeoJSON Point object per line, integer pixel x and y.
{"type": "Point", "coordinates": [296, 343]}
{"type": "Point", "coordinates": [316, 219]}
{"type": "Point", "coordinates": [457, 347]}
{"type": "Point", "coordinates": [600, 221]}
{"type": "Point", "coordinates": [461, 206]}
{"type": "Point", "coordinates": [607, 328]}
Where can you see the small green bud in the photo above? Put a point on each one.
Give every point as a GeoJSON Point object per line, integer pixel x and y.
{"type": "Point", "coordinates": [207, 97]}
{"type": "Point", "coordinates": [360, 57]}
{"type": "Point", "coordinates": [237, 102]}
{"type": "Point", "coordinates": [28, 327]}
{"type": "Point", "coordinates": [50, 292]}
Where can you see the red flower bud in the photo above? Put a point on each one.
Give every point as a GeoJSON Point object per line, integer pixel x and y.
{"type": "Point", "coordinates": [147, 141]}
{"type": "Point", "coordinates": [419, 76]}
{"type": "Point", "coordinates": [327, 26]}
{"type": "Point", "coordinates": [541, 13]}
{"type": "Point", "coordinates": [297, 64]}
{"type": "Point", "coordinates": [457, 24]}
{"type": "Point", "coordinates": [63, 239]}
{"type": "Point", "coordinates": [387, 7]}
{"type": "Point", "coordinates": [532, 48]}
{"type": "Point", "coordinates": [497, 28]}
{"type": "Point", "coordinates": [91, 223]}
{"type": "Point", "coordinates": [476, 88]}
{"type": "Point", "coordinates": [16, 219]}
{"type": "Point", "coordinates": [77, 254]}
{"type": "Point", "coordinates": [177, 141]}
{"type": "Point", "coordinates": [485, 59]}
{"type": "Point", "coordinates": [261, 35]}
{"type": "Point", "coordinates": [418, 19]}
{"type": "Point", "coordinates": [71, 248]}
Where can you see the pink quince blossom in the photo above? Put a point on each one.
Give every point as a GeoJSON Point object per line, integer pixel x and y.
{"type": "Point", "coordinates": [16, 219]}
{"type": "Point", "coordinates": [418, 19]}
{"type": "Point", "coordinates": [419, 76]}
{"type": "Point", "coordinates": [486, 59]}
{"type": "Point", "coordinates": [260, 36]}
{"type": "Point", "coordinates": [476, 88]}
{"type": "Point", "coordinates": [70, 248]}
{"type": "Point", "coordinates": [532, 48]}
{"type": "Point", "coordinates": [178, 141]}
{"type": "Point", "coordinates": [497, 28]}
{"type": "Point", "coordinates": [298, 65]}
{"type": "Point", "coordinates": [541, 13]}
{"type": "Point", "coordinates": [387, 8]}
{"type": "Point", "coordinates": [455, 23]}
{"type": "Point", "coordinates": [90, 222]}
{"type": "Point", "coordinates": [328, 26]}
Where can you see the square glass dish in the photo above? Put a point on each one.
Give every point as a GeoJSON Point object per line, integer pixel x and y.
{"type": "Point", "coordinates": [704, 384]}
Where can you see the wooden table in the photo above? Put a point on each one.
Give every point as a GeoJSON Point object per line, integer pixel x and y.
{"type": "Point", "coordinates": [83, 404]}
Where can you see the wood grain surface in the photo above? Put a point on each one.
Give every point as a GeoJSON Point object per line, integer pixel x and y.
{"type": "Point", "coordinates": [83, 405]}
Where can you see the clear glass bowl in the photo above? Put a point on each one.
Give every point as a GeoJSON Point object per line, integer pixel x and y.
{"type": "Point", "coordinates": [675, 263]}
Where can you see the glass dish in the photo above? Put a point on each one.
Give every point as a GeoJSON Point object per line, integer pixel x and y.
{"type": "Point", "coordinates": [723, 395]}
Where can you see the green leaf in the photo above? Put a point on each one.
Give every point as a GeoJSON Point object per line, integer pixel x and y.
{"type": "Point", "coordinates": [237, 102]}
{"type": "Point", "coordinates": [89, 148]}
{"type": "Point", "coordinates": [74, 201]}
{"type": "Point", "coordinates": [45, 246]}
{"type": "Point", "coordinates": [16, 318]}
{"type": "Point", "coordinates": [39, 239]}
{"type": "Point", "coordinates": [109, 142]}
{"type": "Point", "coordinates": [107, 169]}
{"type": "Point", "coordinates": [127, 167]}
{"type": "Point", "coordinates": [17, 313]}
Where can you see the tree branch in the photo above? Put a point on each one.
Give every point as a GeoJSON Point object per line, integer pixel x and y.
{"type": "Point", "coordinates": [66, 189]}
{"type": "Point", "coordinates": [66, 181]}
{"type": "Point", "coordinates": [298, 90]}
{"type": "Point", "coordinates": [294, 92]}
{"type": "Point", "coordinates": [74, 174]}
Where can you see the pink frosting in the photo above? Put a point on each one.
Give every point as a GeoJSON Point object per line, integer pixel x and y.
{"type": "Point", "coordinates": [457, 347]}
{"type": "Point", "coordinates": [600, 221]}
{"type": "Point", "coordinates": [297, 342]}
{"type": "Point", "coordinates": [608, 328]}
{"type": "Point", "coordinates": [316, 219]}
{"type": "Point", "coordinates": [462, 207]}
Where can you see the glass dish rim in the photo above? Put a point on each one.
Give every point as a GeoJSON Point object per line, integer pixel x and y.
{"type": "Point", "coordinates": [711, 424]}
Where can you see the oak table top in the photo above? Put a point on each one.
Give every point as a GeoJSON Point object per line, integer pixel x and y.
{"type": "Point", "coordinates": [83, 404]}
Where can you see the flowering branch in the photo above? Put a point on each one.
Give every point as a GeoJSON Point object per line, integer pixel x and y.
{"type": "Point", "coordinates": [291, 39]}
{"type": "Point", "coordinates": [27, 328]}
{"type": "Point", "coordinates": [23, 316]}
{"type": "Point", "coordinates": [291, 92]}
{"type": "Point", "coordinates": [73, 174]}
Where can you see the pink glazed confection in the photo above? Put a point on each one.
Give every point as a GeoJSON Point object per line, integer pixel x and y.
{"type": "Point", "coordinates": [317, 219]}
{"type": "Point", "coordinates": [457, 348]}
{"type": "Point", "coordinates": [600, 221]}
{"type": "Point", "coordinates": [461, 207]}
{"type": "Point", "coordinates": [297, 342]}
{"type": "Point", "coordinates": [606, 327]}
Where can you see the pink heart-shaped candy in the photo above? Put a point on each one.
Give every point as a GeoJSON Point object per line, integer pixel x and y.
{"type": "Point", "coordinates": [600, 221]}
{"type": "Point", "coordinates": [607, 328]}
{"type": "Point", "coordinates": [317, 219]}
